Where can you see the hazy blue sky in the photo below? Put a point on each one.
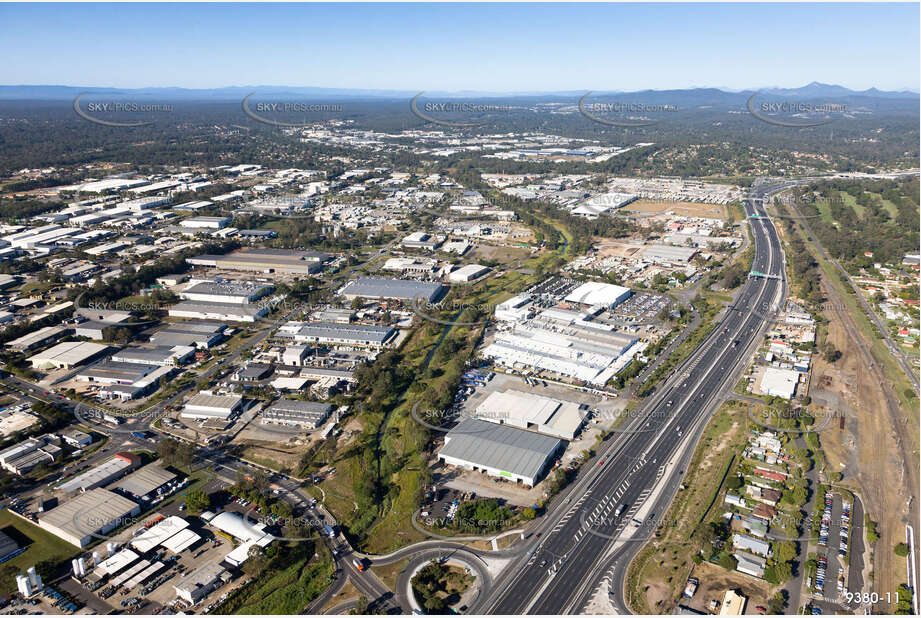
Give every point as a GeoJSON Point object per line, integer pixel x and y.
{"type": "Point", "coordinates": [495, 47]}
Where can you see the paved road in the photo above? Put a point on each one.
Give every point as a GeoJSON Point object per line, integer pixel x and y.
{"type": "Point", "coordinates": [628, 471]}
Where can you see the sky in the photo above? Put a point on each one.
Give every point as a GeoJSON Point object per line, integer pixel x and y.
{"type": "Point", "coordinates": [457, 47]}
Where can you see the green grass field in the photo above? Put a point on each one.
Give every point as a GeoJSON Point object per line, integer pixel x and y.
{"type": "Point", "coordinates": [42, 546]}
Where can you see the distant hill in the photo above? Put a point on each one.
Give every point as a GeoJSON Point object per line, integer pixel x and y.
{"type": "Point", "coordinates": [691, 96]}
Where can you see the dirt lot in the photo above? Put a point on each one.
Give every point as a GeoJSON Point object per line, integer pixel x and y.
{"type": "Point", "coordinates": [688, 209]}
{"type": "Point", "coordinates": [715, 581]}
{"type": "Point", "coordinates": [505, 255]}
{"type": "Point", "coordinates": [866, 452]}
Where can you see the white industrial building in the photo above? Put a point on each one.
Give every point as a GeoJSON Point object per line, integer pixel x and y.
{"type": "Point", "coordinates": [214, 223]}
{"type": "Point", "coordinates": [515, 309]}
{"type": "Point", "coordinates": [668, 254]}
{"type": "Point", "coordinates": [249, 533]}
{"type": "Point", "coordinates": [223, 312]}
{"type": "Point", "coordinates": [67, 355]}
{"type": "Point", "coordinates": [594, 293]}
{"type": "Point", "coordinates": [534, 412]}
{"type": "Point", "coordinates": [600, 204]}
{"type": "Point", "coordinates": [199, 583]}
{"type": "Point", "coordinates": [330, 333]}
{"type": "Point", "coordinates": [584, 353]}
{"type": "Point", "coordinates": [205, 405]}
{"type": "Point", "coordinates": [235, 292]}
{"type": "Point", "coordinates": [468, 273]}
{"type": "Point", "coordinates": [778, 382]}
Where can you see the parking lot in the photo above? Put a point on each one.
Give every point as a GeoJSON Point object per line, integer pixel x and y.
{"type": "Point", "coordinates": [831, 580]}
{"type": "Point", "coordinates": [642, 307]}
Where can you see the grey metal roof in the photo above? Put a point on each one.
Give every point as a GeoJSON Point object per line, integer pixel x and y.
{"type": "Point", "coordinates": [145, 480]}
{"type": "Point", "coordinates": [500, 446]}
{"type": "Point", "coordinates": [228, 288]}
{"type": "Point", "coordinates": [356, 332]}
{"type": "Point", "coordinates": [392, 288]}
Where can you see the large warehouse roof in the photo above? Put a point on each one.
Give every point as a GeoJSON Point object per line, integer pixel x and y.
{"type": "Point", "coordinates": [596, 293]}
{"type": "Point", "coordinates": [116, 562]}
{"type": "Point", "coordinates": [392, 288]}
{"type": "Point", "coordinates": [359, 333]}
{"type": "Point", "coordinates": [88, 512]}
{"type": "Point", "coordinates": [97, 475]}
{"type": "Point", "coordinates": [67, 354]}
{"type": "Point", "coordinates": [530, 411]}
{"type": "Point", "coordinates": [158, 534]}
{"type": "Point", "coordinates": [239, 528]}
{"type": "Point", "coordinates": [145, 480]}
{"type": "Point", "coordinates": [501, 447]}
{"type": "Point", "coordinates": [181, 541]}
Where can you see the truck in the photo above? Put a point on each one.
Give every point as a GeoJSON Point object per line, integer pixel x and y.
{"type": "Point", "coordinates": [620, 510]}
{"type": "Point", "coordinates": [358, 564]}
{"type": "Point", "coordinates": [138, 435]}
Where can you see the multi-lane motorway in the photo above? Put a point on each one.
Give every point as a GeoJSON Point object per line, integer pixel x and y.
{"type": "Point", "coordinates": [621, 503]}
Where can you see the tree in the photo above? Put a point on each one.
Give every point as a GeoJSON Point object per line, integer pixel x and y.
{"type": "Point", "coordinates": [361, 606]}
{"type": "Point", "coordinates": [196, 501]}
{"type": "Point", "coordinates": [256, 561]}
{"type": "Point", "coordinates": [901, 549]}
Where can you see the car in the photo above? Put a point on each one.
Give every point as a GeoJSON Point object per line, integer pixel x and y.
{"type": "Point", "coordinates": [542, 564]}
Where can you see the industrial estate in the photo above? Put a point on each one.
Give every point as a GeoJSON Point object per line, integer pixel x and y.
{"type": "Point", "coordinates": [522, 358]}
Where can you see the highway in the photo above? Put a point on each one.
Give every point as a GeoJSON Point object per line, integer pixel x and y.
{"type": "Point", "coordinates": [620, 503]}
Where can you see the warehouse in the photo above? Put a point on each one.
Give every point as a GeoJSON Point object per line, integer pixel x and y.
{"type": "Point", "coordinates": [226, 312]}
{"type": "Point", "coordinates": [204, 405]}
{"type": "Point", "coordinates": [515, 309]}
{"type": "Point", "coordinates": [201, 335]}
{"type": "Point", "coordinates": [214, 223]}
{"type": "Point", "coordinates": [594, 293]}
{"type": "Point", "coordinates": [159, 533]}
{"type": "Point", "coordinates": [534, 412]}
{"type": "Point", "coordinates": [580, 353]}
{"type": "Point", "coordinates": [498, 450]}
{"type": "Point", "coordinates": [159, 356]}
{"type": "Point", "coordinates": [199, 583]}
{"type": "Point", "coordinates": [330, 333]}
{"type": "Point", "coordinates": [249, 533]}
{"type": "Point", "coordinates": [8, 547]}
{"type": "Point", "coordinates": [600, 204]}
{"type": "Point", "coordinates": [38, 338]}
{"type": "Point", "coordinates": [116, 562]}
{"type": "Point", "coordinates": [113, 372]}
{"type": "Point", "coordinates": [102, 474]}
{"type": "Point", "coordinates": [421, 240]}
{"type": "Point", "coordinates": [468, 273]}
{"type": "Point", "coordinates": [67, 355]}
{"type": "Point", "coordinates": [236, 292]}
{"type": "Point", "coordinates": [667, 254]}
{"type": "Point", "coordinates": [266, 261]}
{"type": "Point", "coordinates": [397, 289]}
{"type": "Point", "coordinates": [95, 512]}
{"type": "Point", "coordinates": [22, 457]}
{"type": "Point", "coordinates": [296, 413]}
{"type": "Point", "coordinates": [144, 482]}
{"type": "Point", "coordinates": [779, 382]}
{"type": "Point", "coordinates": [294, 355]}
